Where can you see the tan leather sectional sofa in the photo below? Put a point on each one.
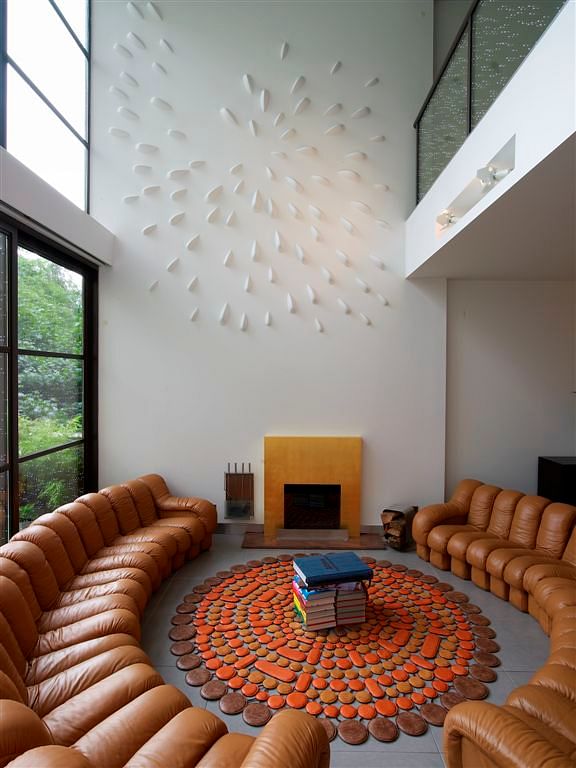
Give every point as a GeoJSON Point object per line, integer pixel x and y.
{"type": "Point", "coordinates": [523, 549]}
{"type": "Point", "coordinates": [76, 689]}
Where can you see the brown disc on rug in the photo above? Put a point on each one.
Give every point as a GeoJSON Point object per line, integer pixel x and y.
{"type": "Point", "coordinates": [433, 714]}
{"type": "Point", "coordinates": [254, 563]}
{"type": "Point", "coordinates": [193, 598]}
{"type": "Point", "coordinates": [443, 587]}
{"type": "Point", "coordinates": [367, 559]}
{"type": "Point", "coordinates": [329, 727]}
{"type": "Point", "coordinates": [487, 645]}
{"type": "Point", "coordinates": [285, 558]}
{"type": "Point", "coordinates": [240, 568]}
{"type": "Point", "coordinates": [256, 714]}
{"type": "Point", "coordinates": [484, 674]}
{"type": "Point", "coordinates": [384, 563]}
{"type": "Point", "coordinates": [213, 581]}
{"type": "Point", "coordinates": [181, 649]}
{"type": "Point", "coordinates": [201, 589]}
{"type": "Point", "coordinates": [471, 608]}
{"type": "Point", "coordinates": [188, 662]}
{"type": "Point", "coordinates": [182, 633]}
{"type": "Point", "coordinates": [412, 724]}
{"type": "Point", "coordinates": [471, 689]}
{"type": "Point", "coordinates": [456, 597]}
{"type": "Point", "coordinates": [486, 659]}
{"type": "Point", "coordinates": [186, 608]}
{"type": "Point", "coordinates": [483, 631]}
{"type": "Point", "coordinates": [414, 573]}
{"type": "Point", "coordinates": [181, 619]}
{"type": "Point", "coordinates": [383, 729]}
{"type": "Point", "coordinates": [213, 689]}
{"type": "Point", "coordinates": [451, 698]}
{"type": "Point", "coordinates": [232, 703]}
{"type": "Point", "coordinates": [197, 677]}
{"type": "Point", "coordinates": [224, 574]}
{"type": "Point", "coordinates": [353, 732]}
{"type": "Point", "coordinates": [399, 567]}
{"type": "Point", "coordinates": [479, 621]}
{"type": "Point", "coordinates": [426, 579]}
{"type": "Point", "coordinates": [269, 560]}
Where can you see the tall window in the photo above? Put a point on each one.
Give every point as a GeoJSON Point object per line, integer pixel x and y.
{"type": "Point", "coordinates": [47, 379]}
{"type": "Point", "coordinates": [44, 90]}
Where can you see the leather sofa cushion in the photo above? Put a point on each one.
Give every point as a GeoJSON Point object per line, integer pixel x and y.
{"type": "Point", "coordinates": [514, 571]}
{"type": "Point", "coordinates": [559, 678]}
{"type": "Point", "coordinates": [526, 520]}
{"type": "Point", "coordinates": [143, 500]}
{"type": "Point", "coordinates": [50, 664]}
{"type": "Point", "coordinates": [498, 559]}
{"type": "Point", "coordinates": [439, 536]}
{"type": "Point", "coordinates": [458, 544]}
{"type": "Point", "coordinates": [113, 740]}
{"type": "Point", "coordinates": [104, 514]}
{"type": "Point", "coordinates": [547, 705]}
{"type": "Point", "coordinates": [69, 537]}
{"type": "Point", "coordinates": [555, 527]}
{"type": "Point", "coordinates": [228, 752]}
{"type": "Point", "coordinates": [554, 593]}
{"type": "Point", "coordinates": [84, 716]}
{"type": "Point", "coordinates": [480, 550]}
{"type": "Point", "coordinates": [189, 736]}
{"type": "Point", "coordinates": [481, 506]}
{"type": "Point", "coordinates": [123, 507]}
{"type": "Point", "coordinates": [71, 614]}
{"type": "Point", "coordinates": [16, 611]}
{"type": "Point", "coordinates": [52, 547]}
{"type": "Point", "coordinates": [86, 525]}
{"type": "Point", "coordinates": [113, 621]}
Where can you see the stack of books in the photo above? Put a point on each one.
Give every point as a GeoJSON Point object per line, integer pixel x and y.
{"type": "Point", "coordinates": [328, 589]}
{"type": "Point", "coordinates": [316, 607]}
{"type": "Point", "coordinates": [351, 603]}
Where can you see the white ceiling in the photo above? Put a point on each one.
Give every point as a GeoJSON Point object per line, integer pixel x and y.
{"type": "Point", "coordinates": [528, 233]}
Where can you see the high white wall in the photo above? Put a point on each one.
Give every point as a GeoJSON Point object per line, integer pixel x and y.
{"type": "Point", "coordinates": [181, 392]}
{"type": "Point", "coordinates": [510, 378]}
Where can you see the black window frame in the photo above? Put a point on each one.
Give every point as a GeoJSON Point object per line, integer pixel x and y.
{"type": "Point", "coordinates": [20, 235]}
{"type": "Point", "coordinates": [6, 60]}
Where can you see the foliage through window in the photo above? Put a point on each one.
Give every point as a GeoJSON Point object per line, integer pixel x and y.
{"type": "Point", "coordinates": [47, 384]}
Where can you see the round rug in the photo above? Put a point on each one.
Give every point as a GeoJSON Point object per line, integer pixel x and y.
{"type": "Point", "coordinates": [422, 644]}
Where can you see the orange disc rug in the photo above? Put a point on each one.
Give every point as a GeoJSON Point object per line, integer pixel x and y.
{"type": "Point", "coordinates": [422, 649]}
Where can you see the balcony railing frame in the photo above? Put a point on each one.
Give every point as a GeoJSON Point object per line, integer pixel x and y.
{"type": "Point", "coordinates": [466, 28]}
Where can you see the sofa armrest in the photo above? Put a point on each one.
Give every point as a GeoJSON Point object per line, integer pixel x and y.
{"type": "Point", "coordinates": [504, 739]}
{"type": "Point", "coordinates": [175, 506]}
{"type": "Point", "coordinates": [429, 517]}
{"type": "Point", "coordinates": [51, 757]}
{"type": "Point", "coordinates": [21, 730]}
{"type": "Point", "coordinates": [290, 740]}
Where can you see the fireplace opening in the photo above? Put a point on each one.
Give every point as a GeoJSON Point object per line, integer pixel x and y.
{"type": "Point", "coordinates": [311, 506]}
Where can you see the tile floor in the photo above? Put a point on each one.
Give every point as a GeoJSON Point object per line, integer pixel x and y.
{"type": "Point", "coordinates": [524, 648]}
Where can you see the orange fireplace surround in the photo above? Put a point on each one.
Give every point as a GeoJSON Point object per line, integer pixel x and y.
{"type": "Point", "coordinates": [314, 460]}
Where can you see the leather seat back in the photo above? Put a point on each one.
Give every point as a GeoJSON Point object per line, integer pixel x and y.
{"type": "Point", "coordinates": [17, 613]}
{"type": "Point", "coordinates": [555, 528]}
{"type": "Point", "coordinates": [53, 549]}
{"type": "Point", "coordinates": [9, 641]}
{"type": "Point", "coordinates": [33, 562]}
{"type": "Point", "coordinates": [503, 512]}
{"type": "Point", "coordinates": [85, 522]}
{"type": "Point", "coordinates": [481, 506]}
{"type": "Point", "coordinates": [569, 554]}
{"type": "Point", "coordinates": [157, 486]}
{"type": "Point", "coordinates": [526, 520]}
{"type": "Point", "coordinates": [69, 536]}
{"type": "Point", "coordinates": [463, 493]}
{"type": "Point", "coordinates": [144, 501]}
{"type": "Point", "coordinates": [8, 668]}
{"type": "Point", "coordinates": [105, 515]}
{"type": "Point", "coordinates": [123, 507]}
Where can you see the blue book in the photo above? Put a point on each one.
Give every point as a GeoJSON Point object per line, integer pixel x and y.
{"type": "Point", "coordinates": [335, 568]}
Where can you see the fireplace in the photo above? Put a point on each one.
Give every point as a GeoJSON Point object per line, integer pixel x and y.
{"type": "Point", "coordinates": [308, 505]}
{"type": "Point", "coordinates": [312, 462]}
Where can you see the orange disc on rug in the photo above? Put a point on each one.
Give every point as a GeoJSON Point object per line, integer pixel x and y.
{"type": "Point", "coordinates": [249, 689]}
{"type": "Point", "coordinates": [331, 710]}
{"type": "Point", "coordinates": [404, 702]}
{"type": "Point", "coordinates": [275, 701]}
{"type": "Point", "coordinates": [366, 711]}
{"type": "Point", "coordinates": [296, 700]}
{"type": "Point", "coordinates": [348, 711]}
{"type": "Point", "coordinates": [313, 708]}
{"type": "Point", "coordinates": [386, 707]}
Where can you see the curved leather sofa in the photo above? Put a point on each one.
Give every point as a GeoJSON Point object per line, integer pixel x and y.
{"type": "Point", "coordinates": [76, 689]}
{"type": "Point", "coordinates": [522, 548]}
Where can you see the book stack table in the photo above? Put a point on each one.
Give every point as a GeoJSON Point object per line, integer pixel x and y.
{"type": "Point", "coordinates": [329, 589]}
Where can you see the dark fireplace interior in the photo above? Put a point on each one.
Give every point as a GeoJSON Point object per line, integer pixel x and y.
{"type": "Point", "coordinates": [311, 506]}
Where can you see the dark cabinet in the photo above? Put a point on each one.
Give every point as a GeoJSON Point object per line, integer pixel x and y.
{"type": "Point", "coordinates": [557, 478]}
